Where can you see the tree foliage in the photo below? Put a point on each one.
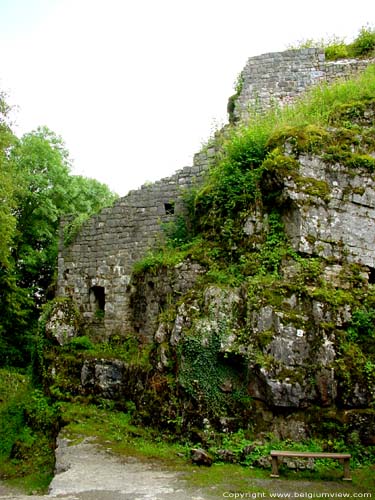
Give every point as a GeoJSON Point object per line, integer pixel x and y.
{"type": "Point", "coordinates": [7, 185]}
{"type": "Point", "coordinates": [36, 190]}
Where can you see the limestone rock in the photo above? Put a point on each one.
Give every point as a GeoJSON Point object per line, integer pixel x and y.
{"type": "Point", "coordinates": [226, 456]}
{"type": "Point", "coordinates": [63, 321]}
{"type": "Point", "coordinates": [348, 218]}
{"type": "Point", "coordinates": [104, 377]}
{"type": "Point", "coordinates": [200, 457]}
{"type": "Point", "coordinates": [362, 423]}
{"type": "Point", "coordinates": [282, 383]}
{"type": "Point", "coordinates": [263, 462]}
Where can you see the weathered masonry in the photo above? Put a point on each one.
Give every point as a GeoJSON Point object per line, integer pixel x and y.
{"type": "Point", "coordinates": [277, 78]}
{"type": "Point", "coordinates": [95, 270]}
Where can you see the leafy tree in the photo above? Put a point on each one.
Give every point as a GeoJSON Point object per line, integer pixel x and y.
{"type": "Point", "coordinates": [37, 189]}
{"type": "Point", "coordinates": [43, 166]}
{"type": "Point", "coordinates": [48, 192]}
{"type": "Point", "coordinates": [7, 185]}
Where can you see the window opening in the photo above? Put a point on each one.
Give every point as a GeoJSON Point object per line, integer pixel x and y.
{"type": "Point", "coordinates": [97, 297]}
{"type": "Point", "coordinates": [169, 208]}
{"type": "Point", "coordinates": [371, 276]}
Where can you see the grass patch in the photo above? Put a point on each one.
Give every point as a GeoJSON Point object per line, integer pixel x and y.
{"type": "Point", "coordinates": [114, 430]}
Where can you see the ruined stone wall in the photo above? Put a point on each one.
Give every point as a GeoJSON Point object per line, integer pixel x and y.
{"type": "Point", "coordinates": [95, 268]}
{"type": "Point", "coordinates": [277, 78]}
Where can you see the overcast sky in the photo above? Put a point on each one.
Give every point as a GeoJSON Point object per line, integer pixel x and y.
{"type": "Point", "coordinates": [135, 87]}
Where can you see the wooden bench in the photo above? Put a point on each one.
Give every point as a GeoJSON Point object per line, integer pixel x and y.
{"type": "Point", "coordinates": [342, 457]}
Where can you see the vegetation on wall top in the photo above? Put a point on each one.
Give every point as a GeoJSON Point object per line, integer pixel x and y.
{"type": "Point", "coordinates": [363, 46]}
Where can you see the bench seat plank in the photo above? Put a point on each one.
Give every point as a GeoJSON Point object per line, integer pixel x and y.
{"type": "Point", "coordinates": [344, 457]}
{"type": "Point", "coordinates": [309, 454]}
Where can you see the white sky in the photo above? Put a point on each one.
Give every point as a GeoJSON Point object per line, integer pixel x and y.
{"type": "Point", "coordinates": [135, 87]}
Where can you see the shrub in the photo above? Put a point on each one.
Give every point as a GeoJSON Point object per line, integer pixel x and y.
{"type": "Point", "coordinates": [364, 44]}
{"type": "Point", "coordinates": [336, 48]}
{"type": "Point", "coordinates": [28, 426]}
{"type": "Point", "coordinates": [80, 344]}
{"type": "Point", "coordinates": [362, 327]}
{"type": "Point", "coordinates": [336, 51]}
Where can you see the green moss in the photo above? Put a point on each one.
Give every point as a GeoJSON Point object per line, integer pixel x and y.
{"type": "Point", "coordinates": [353, 161]}
{"type": "Point", "coordinates": [301, 139]}
{"type": "Point", "coordinates": [275, 169]}
{"type": "Point", "coordinates": [155, 260]}
{"type": "Point", "coordinates": [264, 338]}
{"type": "Point", "coordinates": [336, 297]}
{"type": "Point", "coordinates": [351, 113]}
{"type": "Point", "coordinates": [293, 376]}
{"type": "Point", "coordinates": [313, 187]}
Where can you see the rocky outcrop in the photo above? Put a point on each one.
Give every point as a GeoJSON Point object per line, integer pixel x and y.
{"type": "Point", "coordinates": [104, 377]}
{"type": "Point", "coordinates": [95, 269]}
{"type": "Point", "coordinates": [336, 221]}
{"type": "Point", "coordinates": [259, 327]}
{"type": "Point", "coordinates": [62, 321]}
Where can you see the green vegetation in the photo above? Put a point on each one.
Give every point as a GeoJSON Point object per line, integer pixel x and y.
{"type": "Point", "coordinates": [202, 376]}
{"type": "Point", "coordinates": [331, 122]}
{"type": "Point", "coordinates": [115, 430]}
{"type": "Point", "coordinates": [156, 259]}
{"type": "Point", "coordinates": [232, 99]}
{"type": "Point", "coordinates": [28, 427]}
{"type": "Point", "coordinates": [336, 48]}
{"type": "Point", "coordinates": [127, 349]}
{"type": "Point", "coordinates": [113, 427]}
{"type": "Point", "coordinates": [37, 190]}
{"type": "Point", "coordinates": [204, 372]}
{"type": "Point", "coordinates": [249, 174]}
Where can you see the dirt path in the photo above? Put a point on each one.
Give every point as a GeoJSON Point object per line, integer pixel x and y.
{"type": "Point", "coordinates": [85, 471]}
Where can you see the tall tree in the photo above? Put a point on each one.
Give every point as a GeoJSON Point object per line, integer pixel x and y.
{"type": "Point", "coordinates": [7, 184]}
{"type": "Point", "coordinates": [14, 302]}
{"type": "Point", "coordinates": [44, 191]}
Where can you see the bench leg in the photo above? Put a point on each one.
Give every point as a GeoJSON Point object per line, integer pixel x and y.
{"type": "Point", "coordinates": [347, 476]}
{"type": "Point", "coordinates": [275, 467]}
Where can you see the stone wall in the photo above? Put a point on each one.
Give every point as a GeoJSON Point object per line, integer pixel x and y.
{"type": "Point", "coordinates": [277, 78]}
{"type": "Point", "coordinates": [95, 268]}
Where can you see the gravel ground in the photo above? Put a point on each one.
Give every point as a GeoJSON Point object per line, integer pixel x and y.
{"type": "Point", "coordinates": [85, 471]}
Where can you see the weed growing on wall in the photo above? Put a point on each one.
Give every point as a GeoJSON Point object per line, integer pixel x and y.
{"type": "Point", "coordinates": [238, 86]}
{"type": "Point", "coordinates": [248, 177]}
{"type": "Point", "coordinates": [335, 47]}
